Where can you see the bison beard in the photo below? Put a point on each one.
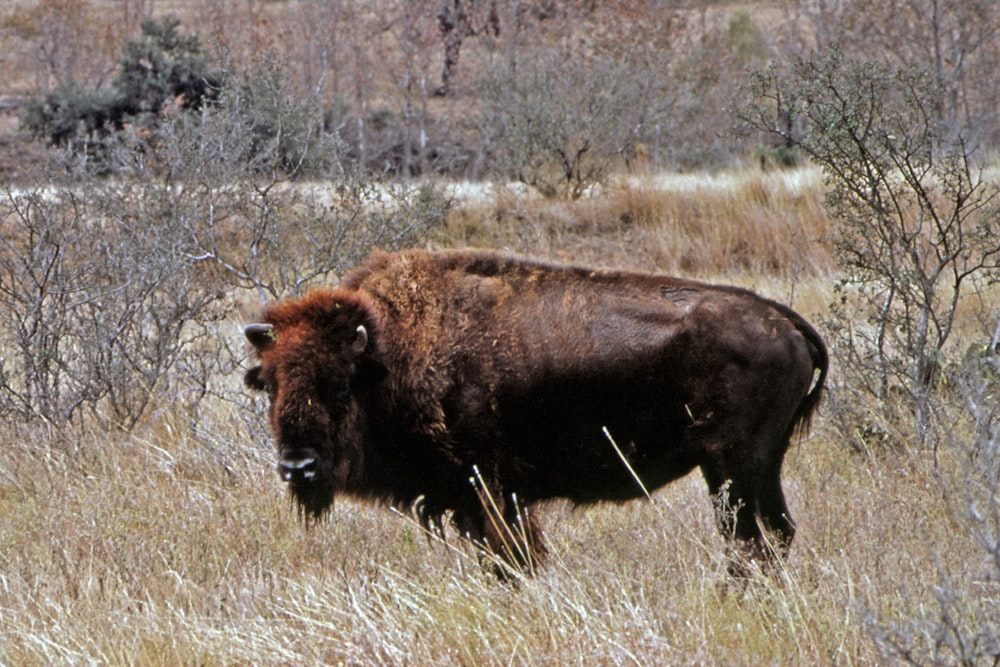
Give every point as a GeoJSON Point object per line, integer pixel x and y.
{"type": "Point", "coordinates": [481, 384]}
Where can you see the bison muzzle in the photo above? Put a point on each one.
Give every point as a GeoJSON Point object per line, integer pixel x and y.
{"type": "Point", "coordinates": [481, 384]}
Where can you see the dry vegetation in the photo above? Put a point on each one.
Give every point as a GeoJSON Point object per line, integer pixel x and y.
{"type": "Point", "coordinates": [167, 552]}
{"type": "Point", "coordinates": [707, 226]}
{"type": "Point", "coordinates": [172, 545]}
{"type": "Point", "coordinates": [171, 542]}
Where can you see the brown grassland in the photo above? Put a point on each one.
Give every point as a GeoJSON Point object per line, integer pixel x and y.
{"type": "Point", "coordinates": [174, 546]}
{"type": "Point", "coordinates": [174, 543]}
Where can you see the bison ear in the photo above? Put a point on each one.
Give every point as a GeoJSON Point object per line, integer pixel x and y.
{"type": "Point", "coordinates": [260, 335]}
{"type": "Point", "coordinates": [360, 341]}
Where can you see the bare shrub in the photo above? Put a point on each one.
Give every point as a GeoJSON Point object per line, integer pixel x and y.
{"type": "Point", "coordinates": [269, 197]}
{"type": "Point", "coordinates": [916, 226]}
{"type": "Point", "coordinates": [561, 110]}
{"type": "Point", "coordinates": [559, 128]}
{"type": "Point", "coordinates": [94, 305]}
{"type": "Point", "coordinates": [116, 292]}
{"type": "Point", "coordinates": [962, 626]}
{"type": "Point", "coordinates": [35, 282]}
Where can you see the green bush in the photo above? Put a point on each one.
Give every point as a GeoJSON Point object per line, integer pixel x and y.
{"type": "Point", "coordinates": [69, 113]}
{"type": "Point", "coordinates": [164, 65]}
{"type": "Point", "coordinates": [159, 68]}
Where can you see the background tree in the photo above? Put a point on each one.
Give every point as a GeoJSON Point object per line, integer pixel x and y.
{"type": "Point", "coordinates": [918, 223]}
{"type": "Point", "coordinates": [459, 20]}
{"type": "Point", "coordinates": [566, 103]}
{"type": "Point", "coordinates": [63, 41]}
{"type": "Point", "coordinates": [953, 40]}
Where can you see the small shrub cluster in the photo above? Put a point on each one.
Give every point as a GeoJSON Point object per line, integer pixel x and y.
{"type": "Point", "coordinates": [162, 68]}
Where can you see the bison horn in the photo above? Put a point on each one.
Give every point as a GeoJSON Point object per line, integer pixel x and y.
{"type": "Point", "coordinates": [361, 342]}
{"type": "Point", "coordinates": [259, 334]}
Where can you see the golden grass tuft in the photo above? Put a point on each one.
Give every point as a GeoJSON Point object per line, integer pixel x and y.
{"type": "Point", "coordinates": [752, 224]}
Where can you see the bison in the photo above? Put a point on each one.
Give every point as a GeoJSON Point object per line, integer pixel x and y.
{"type": "Point", "coordinates": [474, 385]}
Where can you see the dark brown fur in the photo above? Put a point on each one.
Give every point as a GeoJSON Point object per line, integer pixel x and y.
{"type": "Point", "coordinates": [481, 365]}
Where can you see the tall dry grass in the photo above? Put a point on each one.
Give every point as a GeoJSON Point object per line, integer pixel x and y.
{"type": "Point", "coordinates": [174, 544]}
{"type": "Point", "coordinates": [161, 551]}
{"type": "Point", "coordinates": [735, 226]}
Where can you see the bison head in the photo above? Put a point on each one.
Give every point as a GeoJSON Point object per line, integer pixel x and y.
{"type": "Point", "coordinates": [311, 354]}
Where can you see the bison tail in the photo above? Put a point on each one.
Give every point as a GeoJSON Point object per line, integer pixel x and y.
{"type": "Point", "coordinates": [821, 363]}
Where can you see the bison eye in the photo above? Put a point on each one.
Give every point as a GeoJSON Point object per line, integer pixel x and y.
{"type": "Point", "coordinates": [344, 394]}
{"type": "Point", "coordinates": [253, 379]}
{"type": "Point", "coordinates": [337, 394]}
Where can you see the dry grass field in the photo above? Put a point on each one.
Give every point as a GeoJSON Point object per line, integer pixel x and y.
{"type": "Point", "coordinates": [174, 544]}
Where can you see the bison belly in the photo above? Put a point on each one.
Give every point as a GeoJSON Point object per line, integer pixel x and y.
{"type": "Point", "coordinates": [559, 438]}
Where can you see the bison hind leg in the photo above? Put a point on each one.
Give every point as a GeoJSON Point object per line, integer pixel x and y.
{"type": "Point", "coordinates": [752, 515]}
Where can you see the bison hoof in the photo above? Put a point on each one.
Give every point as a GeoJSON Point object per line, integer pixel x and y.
{"type": "Point", "coordinates": [296, 470]}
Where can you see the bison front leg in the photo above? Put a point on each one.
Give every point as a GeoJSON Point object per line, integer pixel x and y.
{"type": "Point", "coordinates": [515, 538]}
{"type": "Point", "coordinates": [506, 532]}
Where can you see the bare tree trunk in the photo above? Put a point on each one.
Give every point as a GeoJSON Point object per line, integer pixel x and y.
{"type": "Point", "coordinates": [457, 22]}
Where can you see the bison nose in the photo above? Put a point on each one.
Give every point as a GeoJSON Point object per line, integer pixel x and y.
{"type": "Point", "coordinates": [297, 468]}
